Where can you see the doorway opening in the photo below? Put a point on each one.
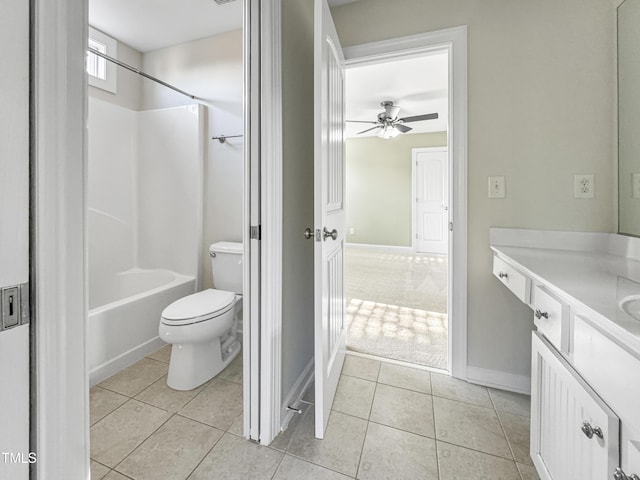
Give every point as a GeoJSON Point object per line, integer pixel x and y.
{"type": "Point", "coordinates": [167, 347]}
{"type": "Point", "coordinates": [398, 272]}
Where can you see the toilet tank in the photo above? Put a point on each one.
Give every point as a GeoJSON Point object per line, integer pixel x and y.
{"type": "Point", "coordinates": [226, 264]}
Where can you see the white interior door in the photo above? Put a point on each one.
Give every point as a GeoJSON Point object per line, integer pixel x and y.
{"type": "Point", "coordinates": [432, 200]}
{"type": "Point", "coordinates": [329, 215]}
{"type": "Point", "coordinates": [14, 240]}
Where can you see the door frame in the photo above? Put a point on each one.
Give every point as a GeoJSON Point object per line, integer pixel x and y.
{"type": "Point", "coordinates": [59, 377]}
{"type": "Point", "coordinates": [454, 40]}
{"type": "Point", "coordinates": [267, 29]}
{"type": "Point", "coordinates": [414, 191]}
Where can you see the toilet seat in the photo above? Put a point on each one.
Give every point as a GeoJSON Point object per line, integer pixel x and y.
{"type": "Point", "coordinates": [198, 307]}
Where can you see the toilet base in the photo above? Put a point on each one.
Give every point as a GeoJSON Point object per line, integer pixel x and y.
{"type": "Point", "coordinates": [191, 365]}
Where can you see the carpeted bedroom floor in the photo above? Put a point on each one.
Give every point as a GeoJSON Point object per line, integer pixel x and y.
{"type": "Point", "coordinates": [397, 305]}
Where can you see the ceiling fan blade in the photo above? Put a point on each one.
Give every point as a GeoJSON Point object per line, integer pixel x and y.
{"type": "Point", "coordinates": [368, 129]}
{"type": "Point", "coordinates": [418, 118]}
{"type": "Point", "coordinates": [361, 121]}
{"type": "Point", "coordinates": [403, 128]}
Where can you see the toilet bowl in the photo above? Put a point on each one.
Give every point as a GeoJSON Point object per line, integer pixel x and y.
{"type": "Point", "coordinates": [202, 327]}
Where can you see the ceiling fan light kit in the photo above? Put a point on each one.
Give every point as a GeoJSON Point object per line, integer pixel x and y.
{"type": "Point", "coordinates": [389, 124]}
{"type": "Point", "coordinates": [388, 131]}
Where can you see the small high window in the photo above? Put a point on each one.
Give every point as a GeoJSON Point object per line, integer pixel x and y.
{"type": "Point", "coordinates": [102, 74]}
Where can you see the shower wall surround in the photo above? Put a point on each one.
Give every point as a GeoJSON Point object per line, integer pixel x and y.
{"type": "Point", "coordinates": [145, 189]}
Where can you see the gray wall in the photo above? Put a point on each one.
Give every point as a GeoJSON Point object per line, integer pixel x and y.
{"type": "Point", "coordinates": [379, 204]}
{"type": "Point", "coordinates": [541, 109]}
{"type": "Point", "coordinates": [297, 123]}
{"type": "Point", "coordinates": [129, 87]}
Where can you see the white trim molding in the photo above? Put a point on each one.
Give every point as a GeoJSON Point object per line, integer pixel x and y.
{"type": "Point", "coordinates": [391, 248]}
{"type": "Point", "coordinates": [500, 380]}
{"type": "Point", "coordinates": [251, 214]}
{"type": "Point", "coordinates": [61, 386]}
{"type": "Point", "coordinates": [455, 41]}
{"type": "Point", "coordinates": [271, 219]}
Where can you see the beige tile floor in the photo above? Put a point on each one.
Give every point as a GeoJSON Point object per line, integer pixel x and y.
{"type": "Point", "coordinates": [387, 421]}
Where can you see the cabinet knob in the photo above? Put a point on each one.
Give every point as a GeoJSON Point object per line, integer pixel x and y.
{"type": "Point", "coordinates": [618, 474]}
{"type": "Point", "coordinates": [503, 275]}
{"type": "Point", "coordinates": [590, 431]}
{"type": "Point", "coordinates": [539, 314]}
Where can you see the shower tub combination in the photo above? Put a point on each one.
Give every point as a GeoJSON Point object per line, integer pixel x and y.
{"type": "Point", "coordinates": [144, 226]}
{"type": "Point", "coordinates": [124, 316]}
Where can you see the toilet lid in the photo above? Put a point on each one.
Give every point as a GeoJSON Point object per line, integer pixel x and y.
{"type": "Point", "coordinates": [207, 304]}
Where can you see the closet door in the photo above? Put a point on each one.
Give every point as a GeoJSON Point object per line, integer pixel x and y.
{"type": "Point", "coordinates": [14, 240]}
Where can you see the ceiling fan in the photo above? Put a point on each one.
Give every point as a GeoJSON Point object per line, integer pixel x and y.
{"type": "Point", "coordinates": [389, 123]}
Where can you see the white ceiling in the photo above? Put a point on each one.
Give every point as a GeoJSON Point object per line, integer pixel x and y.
{"type": "Point", "coordinates": [147, 25]}
{"type": "Point", "coordinates": [416, 85]}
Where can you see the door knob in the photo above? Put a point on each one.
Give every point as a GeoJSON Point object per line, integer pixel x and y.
{"type": "Point", "coordinates": [308, 233]}
{"type": "Point", "coordinates": [333, 233]}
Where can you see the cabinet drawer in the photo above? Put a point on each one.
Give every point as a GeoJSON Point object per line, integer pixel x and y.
{"type": "Point", "coordinates": [551, 317]}
{"type": "Point", "coordinates": [515, 281]}
{"type": "Point", "coordinates": [609, 369]}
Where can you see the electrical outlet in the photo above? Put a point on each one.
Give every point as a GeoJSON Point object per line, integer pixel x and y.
{"type": "Point", "coordinates": [584, 186]}
{"type": "Point", "coordinates": [352, 230]}
{"type": "Point", "coordinates": [496, 187]}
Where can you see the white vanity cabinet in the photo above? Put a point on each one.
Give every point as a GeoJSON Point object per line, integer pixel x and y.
{"type": "Point", "coordinates": [574, 434]}
{"type": "Point", "coordinates": [585, 380]}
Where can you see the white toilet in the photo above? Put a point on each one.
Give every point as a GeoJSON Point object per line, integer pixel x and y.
{"type": "Point", "coordinates": [202, 327]}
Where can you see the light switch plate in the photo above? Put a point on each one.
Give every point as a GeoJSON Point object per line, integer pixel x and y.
{"type": "Point", "coordinates": [584, 185]}
{"type": "Point", "coordinates": [635, 185]}
{"type": "Point", "coordinates": [497, 187]}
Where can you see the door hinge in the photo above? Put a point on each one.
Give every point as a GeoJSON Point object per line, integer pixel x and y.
{"type": "Point", "coordinates": [14, 306]}
{"type": "Point", "coordinates": [255, 232]}
{"type": "Point", "coordinates": [451, 226]}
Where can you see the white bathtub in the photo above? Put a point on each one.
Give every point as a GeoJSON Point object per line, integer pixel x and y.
{"type": "Point", "coordinates": [124, 313]}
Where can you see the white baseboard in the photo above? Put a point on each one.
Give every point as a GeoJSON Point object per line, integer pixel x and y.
{"type": "Point", "coordinates": [295, 395]}
{"type": "Point", "coordinates": [499, 380]}
{"type": "Point", "coordinates": [393, 248]}
{"type": "Point", "coordinates": [104, 371]}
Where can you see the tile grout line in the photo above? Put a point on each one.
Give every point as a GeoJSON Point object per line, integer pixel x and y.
{"type": "Point", "coordinates": [435, 430]}
{"type": "Point", "coordinates": [366, 431]}
{"type": "Point", "coordinates": [171, 415]}
{"type": "Point", "coordinates": [504, 432]}
{"type": "Point", "coordinates": [275, 472]}
{"type": "Point", "coordinates": [205, 456]}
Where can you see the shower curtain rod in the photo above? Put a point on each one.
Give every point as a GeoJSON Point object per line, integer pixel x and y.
{"type": "Point", "coordinates": [139, 72]}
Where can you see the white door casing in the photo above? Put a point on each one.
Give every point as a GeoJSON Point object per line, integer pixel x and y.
{"type": "Point", "coordinates": [14, 236]}
{"type": "Point", "coordinates": [431, 208]}
{"type": "Point", "coordinates": [329, 214]}
{"type": "Point", "coordinates": [454, 40]}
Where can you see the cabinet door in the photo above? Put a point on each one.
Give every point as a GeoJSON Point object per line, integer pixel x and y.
{"type": "Point", "coordinates": [562, 405]}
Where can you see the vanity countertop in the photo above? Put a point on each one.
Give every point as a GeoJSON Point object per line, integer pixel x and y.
{"type": "Point", "coordinates": [595, 272]}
